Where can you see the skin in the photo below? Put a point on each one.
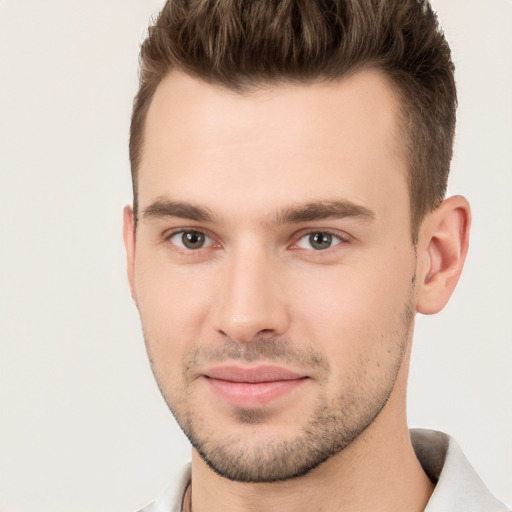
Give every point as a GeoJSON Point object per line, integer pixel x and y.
{"type": "Point", "coordinates": [258, 292]}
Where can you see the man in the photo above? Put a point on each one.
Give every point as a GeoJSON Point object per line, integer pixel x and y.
{"type": "Point", "coordinates": [289, 164]}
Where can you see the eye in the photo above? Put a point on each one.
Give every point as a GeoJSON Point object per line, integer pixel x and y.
{"type": "Point", "coordinates": [319, 241]}
{"type": "Point", "coordinates": [190, 240]}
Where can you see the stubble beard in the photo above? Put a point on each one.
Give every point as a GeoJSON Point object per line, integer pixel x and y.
{"type": "Point", "coordinates": [334, 425]}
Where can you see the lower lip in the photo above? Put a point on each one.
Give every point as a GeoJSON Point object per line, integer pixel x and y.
{"type": "Point", "coordinates": [252, 394]}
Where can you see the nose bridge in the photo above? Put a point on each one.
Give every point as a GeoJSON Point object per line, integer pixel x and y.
{"type": "Point", "coordinates": [251, 301]}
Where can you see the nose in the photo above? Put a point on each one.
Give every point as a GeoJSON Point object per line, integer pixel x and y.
{"type": "Point", "coordinates": [252, 299]}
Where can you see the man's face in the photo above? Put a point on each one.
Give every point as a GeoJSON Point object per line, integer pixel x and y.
{"type": "Point", "coordinates": [273, 268]}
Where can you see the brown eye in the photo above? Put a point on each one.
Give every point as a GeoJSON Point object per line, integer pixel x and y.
{"type": "Point", "coordinates": [190, 240]}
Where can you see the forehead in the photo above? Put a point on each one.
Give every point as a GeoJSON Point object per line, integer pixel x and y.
{"type": "Point", "coordinates": [208, 144]}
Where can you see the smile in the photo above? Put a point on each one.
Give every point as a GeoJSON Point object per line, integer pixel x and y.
{"type": "Point", "coordinates": [252, 387]}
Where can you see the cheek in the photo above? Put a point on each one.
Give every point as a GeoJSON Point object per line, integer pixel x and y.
{"type": "Point", "coordinates": [355, 312]}
{"type": "Point", "coordinates": [172, 306]}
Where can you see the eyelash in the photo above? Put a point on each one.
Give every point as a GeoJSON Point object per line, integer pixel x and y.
{"type": "Point", "coordinates": [169, 236]}
{"type": "Point", "coordinates": [343, 239]}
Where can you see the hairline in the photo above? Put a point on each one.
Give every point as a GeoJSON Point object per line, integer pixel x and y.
{"type": "Point", "coordinates": [402, 136]}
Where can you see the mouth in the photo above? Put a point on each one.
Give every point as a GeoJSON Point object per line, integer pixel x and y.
{"type": "Point", "coordinates": [252, 387]}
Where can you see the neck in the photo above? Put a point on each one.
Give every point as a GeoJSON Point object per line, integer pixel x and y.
{"type": "Point", "coordinates": [378, 471]}
{"type": "Point", "coordinates": [393, 481]}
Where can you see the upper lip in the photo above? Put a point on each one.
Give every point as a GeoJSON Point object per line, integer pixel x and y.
{"type": "Point", "coordinates": [262, 373]}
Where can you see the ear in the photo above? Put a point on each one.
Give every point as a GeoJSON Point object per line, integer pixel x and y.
{"type": "Point", "coordinates": [129, 244]}
{"type": "Point", "coordinates": [442, 247]}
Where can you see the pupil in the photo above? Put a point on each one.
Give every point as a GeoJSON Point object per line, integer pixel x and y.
{"type": "Point", "coordinates": [320, 240]}
{"type": "Point", "coordinates": [193, 239]}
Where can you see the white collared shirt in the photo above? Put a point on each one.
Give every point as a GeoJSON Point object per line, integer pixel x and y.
{"type": "Point", "coordinates": [458, 487]}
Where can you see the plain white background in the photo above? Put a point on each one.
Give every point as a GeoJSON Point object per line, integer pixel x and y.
{"type": "Point", "coordinates": [82, 424]}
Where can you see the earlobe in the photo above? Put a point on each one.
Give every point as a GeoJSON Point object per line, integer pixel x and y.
{"type": "Point", "coordinates": [129, 244]}
{"type": "Point", "coordinates": [442, 248]}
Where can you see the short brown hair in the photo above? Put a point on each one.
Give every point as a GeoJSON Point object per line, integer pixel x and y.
{"type": "Point", "coordinates": [243, 44]}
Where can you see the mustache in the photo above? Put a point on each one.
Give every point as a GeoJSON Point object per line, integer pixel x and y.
{"type": "Point", "coordinates": [274, 349]}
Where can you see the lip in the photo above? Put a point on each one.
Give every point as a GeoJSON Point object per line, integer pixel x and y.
{"type": "Point", "coordinates": [252, 387]}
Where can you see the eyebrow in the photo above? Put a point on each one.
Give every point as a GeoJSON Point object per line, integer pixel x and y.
{"type": "Point", "coordinates": [308, 212]}
{"type": "Point", "coordinates": [321, 210]}
{"type": "Point", "coordinates": [162, 208]}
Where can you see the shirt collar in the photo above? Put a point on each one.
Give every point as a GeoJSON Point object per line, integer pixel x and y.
{"type": "Point", "coordinates": [458, 487]}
